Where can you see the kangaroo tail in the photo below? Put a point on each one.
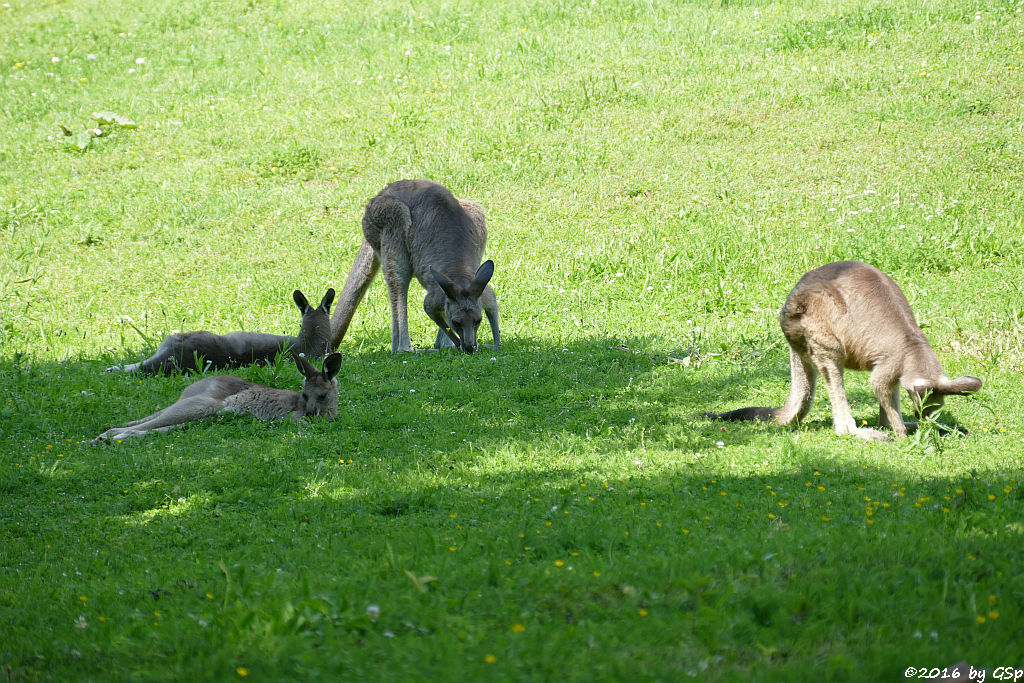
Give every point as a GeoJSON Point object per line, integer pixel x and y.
{"type": "Point", "coordinates": [759, 414]}
{"type": "Point", "coordinates": [363, 271]}
{"type": "Point", "coordinates": [798, 404]}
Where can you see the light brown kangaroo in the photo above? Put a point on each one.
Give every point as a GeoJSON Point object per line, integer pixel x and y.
{"type": "Point", "coordinates": [850, 315]}
{"type": "Point", "coordinates": [212, 396]}
{"type": "Point", "coordinates": [195, 351]}
{"type": "Point", "coordinates": [419, 228]}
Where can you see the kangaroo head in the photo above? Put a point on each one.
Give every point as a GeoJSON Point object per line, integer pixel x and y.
{"type": "Point", "coordinates": [929, 395]}
{"type": "Point", "coordinates": [320, 391]}
{"type": "Point", "coordinates": [462, 307]}
{"type": "Point", "coordinates": [315, 330]}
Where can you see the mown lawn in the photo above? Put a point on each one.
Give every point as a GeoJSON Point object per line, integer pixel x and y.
{"type": "Point", "coordinates": [657, 176]}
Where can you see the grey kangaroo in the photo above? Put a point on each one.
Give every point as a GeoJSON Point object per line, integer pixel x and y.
{"type": "Point", "coordinates": [212, 396]}
{"type": "Point", "coordinates": [418, 228]}
{"type": "Point", "coordinates": [850, 315]}
{"type": "Point", "coordinates": [195, 351]}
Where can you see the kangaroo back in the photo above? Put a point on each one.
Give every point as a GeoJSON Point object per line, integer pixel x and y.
{"type": "Point", "coordinates": [202, 350]}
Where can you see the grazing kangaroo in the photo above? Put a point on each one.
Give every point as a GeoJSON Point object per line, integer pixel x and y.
{"type": "Point", "coordinates": [849, 315]}
{"type": "Point", "coordinates": [418, 228]}
{"type": "Point", "coordinates": [212, 396]}
{"type": "Point", "coordinates": [195, 351]}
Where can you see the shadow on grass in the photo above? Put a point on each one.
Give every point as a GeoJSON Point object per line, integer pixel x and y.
{"type": "Point", "coordinates": [570, 488]}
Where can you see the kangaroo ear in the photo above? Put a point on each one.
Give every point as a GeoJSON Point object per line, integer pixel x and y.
{"type": "Point", "coordinates": [300, 300]}
{"type": "Point", "coordinates": [328, 299]}
{"type": "Point", "coordinates": [961, 386]}
{"type": "Point", "coordinates": [451, 290]}
{"type": "Point", "coordinates": [483, 275]}
{"type": "Point", "coordinates": [332, 365]}
{"type": "Point", "coordinates": [304, 366]}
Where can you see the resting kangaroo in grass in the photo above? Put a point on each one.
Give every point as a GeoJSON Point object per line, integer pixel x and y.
{"type": "Point", "coordinates": [849, 315]}
{"type": "Point", "coordinates": [212, 396]}
{"type": "Point", "coordinates": [193, 351]}
{"type": "Point", "coordinates": [418, 228]}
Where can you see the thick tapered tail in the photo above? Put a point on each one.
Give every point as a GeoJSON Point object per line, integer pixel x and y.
{"type": "Point", "coordinates": [798, 404]}
{"type": "Point", "coordinates": [363, 271]}
{"type": "Point", "coordinates": [760, 414]}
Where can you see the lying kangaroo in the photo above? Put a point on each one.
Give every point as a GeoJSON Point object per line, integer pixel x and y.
{"type": "Point", "coordinates": [418, 227]}
{"type": "Point", "coordinates": [192, 351]}
{"type": "Point", "coordinates": [852, 315]}
{"type": "Point", "coordinates": [212, 396]}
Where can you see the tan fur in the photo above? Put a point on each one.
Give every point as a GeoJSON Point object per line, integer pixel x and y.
{"type": "Point", "coordinates": [417, 228]}
{"type": "Point", "coordinates": [851, 316]}
{"type": "Point", "coordinates": [212, 396]}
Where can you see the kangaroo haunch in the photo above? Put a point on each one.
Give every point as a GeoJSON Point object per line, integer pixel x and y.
{"type": "Point", "coordinates": [419, 228]}
{"type": "Point", "coordinates": [850, 315]}
{"type": "Point", "coordinates": [195, 351]}
{"type": "Point", "coordinates": [212, 396]}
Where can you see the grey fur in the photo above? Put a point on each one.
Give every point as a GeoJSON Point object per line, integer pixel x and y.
{"type": "Point", "coordinates": [850, 315]}
{"type": "Point", "coordinates": [180, 352]}
{"type": "Point", "coordinates": [212, 396]}
{"type": "Point", "coordinates": [419, 228]}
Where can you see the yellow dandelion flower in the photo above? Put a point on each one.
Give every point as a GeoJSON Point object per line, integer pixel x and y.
{"type": "Point", "coordinates": [82, 598]}
{"type": "Point", "coordinates": [559, 563]}
{"type": "Point", "coordinates": [518, 628]}
{"type": "Point", "coordinates": [771, 516]}
{"type": "Point", "coordinates": [490, 659]}
{"type": "Point", "coordinates": [642, 612]}
{"type": "Point", "coordinates": [980, 619]}
{"type": "Point", "coordinates": [991, 497]}
{"type": "Point", "coordinates": [826, 519]}
{"type": "Point", "coordinates": [991, 599]}
{"type": "Point", "coordinates": [820, 487]}
{"type": "Point", "coordinates": [686, 531]}
{"type": "Point", "coordinates": [993, 614]}
{"type": "Point", "coordinates": [597, 574]}
{"type": "Point", "coordinates": [242, 671]}
{"type": "Point", "coordinates": [451, 548]}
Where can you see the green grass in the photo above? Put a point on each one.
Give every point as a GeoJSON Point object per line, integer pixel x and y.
{"type": "Point", "coordinates": [657, 176]}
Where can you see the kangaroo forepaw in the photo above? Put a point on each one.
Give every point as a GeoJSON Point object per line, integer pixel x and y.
{"type": "Point", "coordinates": [871, 434]}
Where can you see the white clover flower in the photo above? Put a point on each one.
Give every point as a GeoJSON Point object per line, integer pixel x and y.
{"type": "Point", "coordinates": [140, 60]}
{"type": "Point", "coordinates": [372, 611]}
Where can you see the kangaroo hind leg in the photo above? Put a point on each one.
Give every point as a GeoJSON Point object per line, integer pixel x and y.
{"type": "Point", "coordinates": [803, 381]}
{"type": "Point", "coordinates": [183, 411]}
{"type": "Point", "coordinates": [386, 225]}
{"type": "Point", "coordinates": [490, 303]}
